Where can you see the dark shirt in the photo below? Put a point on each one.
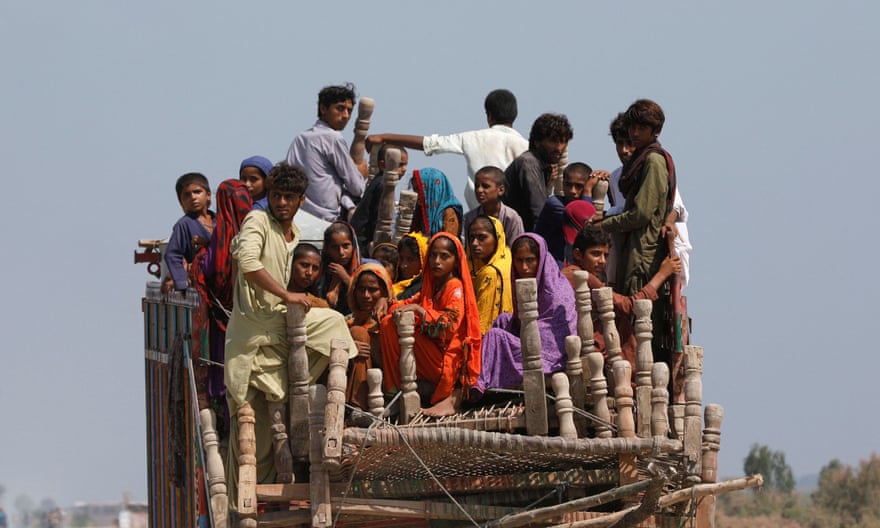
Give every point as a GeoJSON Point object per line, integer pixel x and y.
{"type": "Point", "coordinates": [526, 189]}
{"type": "Point", "coordinates": [181, 248]}
{"type": "Point", "coordinates": [367, 213]}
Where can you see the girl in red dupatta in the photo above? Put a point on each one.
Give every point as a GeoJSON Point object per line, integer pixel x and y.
{"type": "Point", "coordinates": [213, 272]}
{"type": "Point", "coordinates": [447, 337]}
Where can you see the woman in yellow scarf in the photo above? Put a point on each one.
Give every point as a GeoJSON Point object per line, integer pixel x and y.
{"type": "Point", "coordinates": [489, 259]}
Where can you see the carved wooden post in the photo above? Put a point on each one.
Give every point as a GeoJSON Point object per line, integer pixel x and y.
{"type": "Point", "coordinates": [533, 368]}
{"type": "Point", "coordinates": [298, 382]}
{"type": "Point", "coordinates": [626, 426]}
{"type": "Point", "coordinates": [564, 408]}
{"type": "Point", "coordinates": [599, 392]}
{"type": "Point", "coordinates": [560, 169]}
{"type": "Point", "coordinates": [623, 398]}
{"type": "Point", "coordinates": [585, 319]}
{"type": "Point", "coordinates": [361, 129]}
{"type": "Point", "coordinates": [375, 399]}
{"type": "Point", "coordinates": [319, 481]}
{"type": "Point", "coordinates": [247, 468]}
{"type": "Point", "coordinates": [575, 371]}
{"type": "Point", "coordinates": [334, 412]}
{"type": "Point", "coordinates": [711, 444]}
{"type": "Point", "coordinates": [659, 400]}
{"type": "Point", "coordinates": [373, 166]}
{"type": "Point", "coordinates": [693, 393]}
{"type": "Point", "coordinates": [714, 413]}
{"type": "Point", "coordinates": [604, 299]}
{"type": "Point", "coordinates": [409, 400]}
{"type": "Point", "coordinates": [676, 420]}
{"type": "Point", "coordinates": [644, 364]}
{"type": "Point", "coordinates": [405, 210]}
{"type": "Point", "coordinates": [386, 202]}
{"type": "Point", "coordinates": [214, 467]}
{"type": "Point", "coordinates": [280, 443]}
{"type": "Point", "coordinates": [600, 190]}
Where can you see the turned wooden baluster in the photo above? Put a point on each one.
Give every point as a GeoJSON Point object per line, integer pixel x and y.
{"type": "Point", "coordinates": [676, 420]}
{"type": "Point", "coordinates": [298, 382]}
{"type": "Point", "coordinates": [560, 170]}
{"type": "Point", "coordinates": [644, 364]}
{"type": "Point", "coordinates": [334, 412]}
{"type": "Point", "coordinates": [386, 202]}
{"type": "Point", "coordinates": [319, 480]}
{"type": "Point", "coordinates": [247, 468]}
{"type": "Point", "coordinates": [575, 371]}
{"type": "Point", "coordinates": [604, 299]}
{"type": "Point", "coordinates": [599, 393]}
{"type": "Point", "coordinates": [600, 190]}
{"type": "Point", "coordinates": [623, 398]}
{"type": "Point", "coordinates": [361, 129]}
{"type": "Point", "coordinates": [659, 400]}
{"type": "Point", "coordinates": [410, 403]}
{"type": "Point", "coordinates": [693, 393]}
{"type": "Point", "coordinates": [375, 398]}
{"type": "Point", "coordinates": [564, 409]}
{"type": "Point", "coordinates": [714, 413]}
{"type": "Point", "coordinates": [280, 443]}
{"type": "Point", "coordinates": [406, 207]}
{"type": "Point", "coordinates": [711, 444]}
{"type": "Point", "coordinates": [533, 368]}
{"type": "Point", "coordinates": [584, 305]}
{"type": "Point", "coordinates": [214, 467]}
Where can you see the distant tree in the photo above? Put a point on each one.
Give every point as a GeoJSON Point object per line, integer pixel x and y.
{"type": "Point", "coordinates": [771, 464]}
{"type": "Point", "coordinates": [851, 496]}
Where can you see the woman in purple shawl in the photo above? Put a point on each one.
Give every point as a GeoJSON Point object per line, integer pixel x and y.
{"type": "Point", "coordinates": [557, 319]}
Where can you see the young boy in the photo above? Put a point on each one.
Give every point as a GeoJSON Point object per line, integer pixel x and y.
{"type": "Point", "coordinates": [578, 181]}
{"type": "Point", "coordinates": [252, 173]}
{"type": "Point", "coordinates": [590, 253]}
{"type": "Point", "coordinates": [190, 232]}
{"type": "Point", "coordinates": [366, 214]}
{"type": "Point", "coordinates": [648, 183]}
{"type": "Point", "coordinates": [387, 255]}
{"type": "Point", "coordinates": [489, 183]}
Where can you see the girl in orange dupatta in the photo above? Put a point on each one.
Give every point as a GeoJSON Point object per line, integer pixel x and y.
{"type": "Point", "coordinates": [368, 299]}
{"type": "Point", "coordinates": [447, 337]}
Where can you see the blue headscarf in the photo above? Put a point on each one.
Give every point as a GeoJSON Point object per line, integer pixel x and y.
{"type": "Point", "coordinates": [435, 196]}
{"type": "Point", "coordinates": [259, 162]}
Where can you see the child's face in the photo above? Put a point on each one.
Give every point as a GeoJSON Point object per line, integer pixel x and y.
{"type": "Point", "coordinates": [525, 263]}
{"type": "Point", "coordinates": [306, 270]}
{"type": "Point", "coordinates": [487, 190]}
{"type": "Point", "coordinates": [624, 149]}
{"type": "Point", "coordinates": [368, 291]}
{"type": "Point", "coordinates": [451, 224]}
{"type": "Point", "coordinates": [284, 204]}
{"type": "Point", "coordinates": [641, 135]}
{"type": "Point", "coordinates": [408, 264]}
{"type": "Point", "coordinates": [340, 249]}
{"type": "Point", "coordinates": [442, 258]}
{"type": "Point", "coordinates": [390, 267]}
{"type": "Point", "coordinates": [253, 179]}
{"type": "Point", "coordinates": [592, 259]}
{"type": "Point", "coordinates": [482, 241]}
{"type": "Point", "coordinates": [195, 199]}
{"type": "Point", "coordinates": [573, 185]}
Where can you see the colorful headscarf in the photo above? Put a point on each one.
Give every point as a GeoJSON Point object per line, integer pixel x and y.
{"type": "Point", "coordinates": [469, 331]}
{"type": "Point", "coordinates": [233, 204]}
{"type": "Point", "coordinates": [556, 316]}
{"type": "Point", "coordinates": [324, 282]}
{"type": "Point", "coordinates": [422, 241]}
{"type": "Point", "coordinates": [493, 277]}
{"type": "Point", "coordinates": [377, 269]}
{"type": "Point", "coordinates": [435, 196]}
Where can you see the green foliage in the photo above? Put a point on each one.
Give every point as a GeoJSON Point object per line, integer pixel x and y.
{"type": "Point", "coordinates": [771, 464]}
{"type": "Point", "coordinates": [853, 496]}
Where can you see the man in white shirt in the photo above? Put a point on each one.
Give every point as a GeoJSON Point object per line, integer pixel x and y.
{"type": "Point", "coordinates": [495, 146]}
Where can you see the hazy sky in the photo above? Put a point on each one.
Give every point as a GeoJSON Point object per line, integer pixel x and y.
{"type": "Point", "coordinates": [770, 109]}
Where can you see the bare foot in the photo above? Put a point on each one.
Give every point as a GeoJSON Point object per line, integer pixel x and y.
{"type": "Point", "coordinates": [445, 407]}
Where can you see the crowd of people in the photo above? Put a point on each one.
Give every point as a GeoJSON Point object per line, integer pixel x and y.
{"type": "Point", "coordinates": [455, 270]}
